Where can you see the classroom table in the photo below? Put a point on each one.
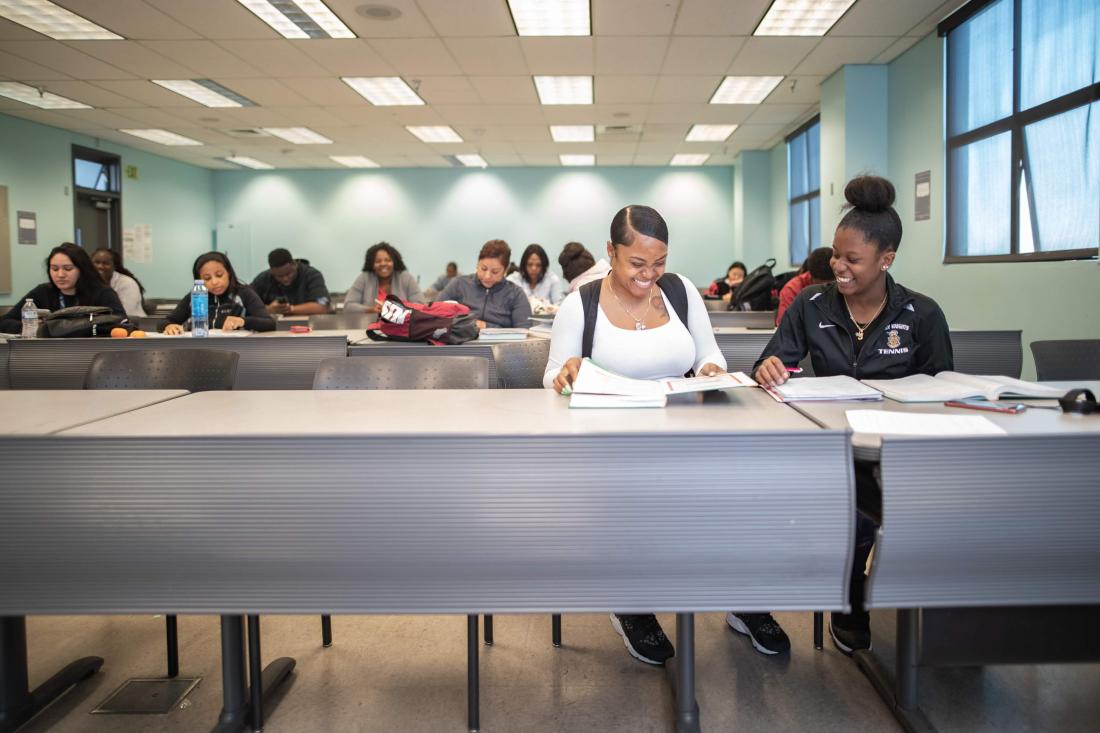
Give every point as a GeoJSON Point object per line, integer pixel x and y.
{"type": "Point", "coordinates": [409, 502]}
{"type": "Point", "coordinates": [981, 535]}
{"type": "Point", "coordinates": [40, 413]}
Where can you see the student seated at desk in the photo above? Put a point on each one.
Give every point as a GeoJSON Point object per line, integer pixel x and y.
{"type": "Point", "coordinates": [535, 278]}
{"type": "Point", "coordinates": [73, 281]}
{"type": "Point", "coordinates": [291, 287]}
{"type": "Point", "coordinates": [639, 333]}
{"type": "Point", "coordinates": [441, 282]}
{"type": "Point", "coordinates": [108, 263]}
{"type": "Point", "coordinates": [580, 267]}
{"type": "Point", "coordinates": [816, 270]}
{"type": "Point", "coordinates": [866, 326]}
{"type": "Point", "coordinates": [383, 274]}
{"type": "Point", "coordinates": [495, 302]}
{"type": "Point", "coordinates": [723, 287]}
{"type": "Point", "coordinates": [233, 305]}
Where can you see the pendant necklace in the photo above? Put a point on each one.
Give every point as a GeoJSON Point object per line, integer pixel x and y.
{"type": "Point", "coordinates": [639, 323]}
{"type": "Point", "coordinates": [860, 329]}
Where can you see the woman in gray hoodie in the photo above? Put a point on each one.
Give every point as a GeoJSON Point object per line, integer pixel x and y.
{"type": "Point", "coordinates": [495, 302]}
{"type": "Point", "coordinates": [383, 274]}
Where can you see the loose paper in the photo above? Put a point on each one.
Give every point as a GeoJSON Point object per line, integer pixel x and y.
{"type": "Point", "coordinates": [137, 244]}
{"type": "Point", "coordinates": [885, 422]}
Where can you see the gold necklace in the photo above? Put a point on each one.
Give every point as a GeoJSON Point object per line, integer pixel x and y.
{"type": "Point", "coordinates": [639, 324]}
{"type": "Point", "coordinates": [861, 329]}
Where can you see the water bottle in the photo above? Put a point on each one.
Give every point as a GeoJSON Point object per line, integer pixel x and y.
{"type": "Point", "coordinates": [200, 310]}
{"type": "Point", "coordinates": [30, 319]}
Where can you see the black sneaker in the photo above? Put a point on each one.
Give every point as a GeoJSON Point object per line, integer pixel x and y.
{"type": "Point", "coordinates": [767, 635]}
{"type": "Point", "coordinates": [850, 631]}
{"type": "Point", "coordinates": [644, 638]}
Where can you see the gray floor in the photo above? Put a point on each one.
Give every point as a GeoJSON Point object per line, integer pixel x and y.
{"type": "Point", "coordinates": [388, 673]}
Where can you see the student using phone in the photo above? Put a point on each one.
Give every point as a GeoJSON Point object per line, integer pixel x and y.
{"type": "Point", "coordinates": [866, 326]}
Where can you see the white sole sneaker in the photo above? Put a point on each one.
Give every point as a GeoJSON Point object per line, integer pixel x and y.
{"type": "Point", "coordinates": [738, 625]}
{"type": "Point", "coordinates": [619, 629]}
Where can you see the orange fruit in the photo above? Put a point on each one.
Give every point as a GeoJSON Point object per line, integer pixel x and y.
{"type": "Point", "coordinates": [119, 333]}
{"type": "Point", "coordinates": [137, 334]}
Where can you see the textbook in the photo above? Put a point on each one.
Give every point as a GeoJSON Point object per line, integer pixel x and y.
{"type": "Point", "coordinates": [823, 389]}
{"type": "Point", "coordinates": [599, 387]}
{"type": "Point", "coordinates": [502, 334]}
{"type": "Point", "coordinates": [947, 386]}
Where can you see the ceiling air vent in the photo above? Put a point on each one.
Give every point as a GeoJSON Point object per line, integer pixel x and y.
{"type": "Point", "coordinates": [247, 133]}
{"type": "Point", "coordinates": [619, 132]}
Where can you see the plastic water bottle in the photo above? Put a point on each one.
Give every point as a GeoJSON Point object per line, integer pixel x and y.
{"type": "Point", "coordinates": [30, 319]}
{"type": "Point", "coordinates": [200, 310]}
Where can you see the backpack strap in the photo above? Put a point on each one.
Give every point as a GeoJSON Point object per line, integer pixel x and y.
{"type": "Point", "coordinates": [673, 288]}
{"type": "Point", "coordinates": [669, 283]}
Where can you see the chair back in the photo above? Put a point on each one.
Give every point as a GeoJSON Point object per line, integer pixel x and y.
{"type": "Point", "coordinates": [341, 321]}
{"type": "Point", "coordinates": [521, 364]}
{"type": "Point", "coordinates": [988, 352]}
{"type": "Point", "coordinates": [196, 370]}
{"type": "Point", "coordinates": [403, 372]}
{"type": "Point", "coordinates": [1066, 359]}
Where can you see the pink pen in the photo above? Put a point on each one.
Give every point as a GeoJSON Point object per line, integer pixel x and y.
{"type": "Point", "coordinates": [794, 370]}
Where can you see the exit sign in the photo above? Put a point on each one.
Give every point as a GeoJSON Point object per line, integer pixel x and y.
{"type": "Point", "coordinates": [132, 172]}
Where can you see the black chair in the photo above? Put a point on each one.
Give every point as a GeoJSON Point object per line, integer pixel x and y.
{"type": "Point", "coordinates": [1066, 359]}
{"type": "Point", "coordinates": [521, 364]}
{"type": "Point", "coordinates": [196, 370]}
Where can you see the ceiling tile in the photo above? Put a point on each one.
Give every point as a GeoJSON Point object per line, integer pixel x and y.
{"type": "Point", "coordinates": [309, 116]}
{"type": "Point", "coordinates": [897, 48]}
{"type": "Point", "coordinates": [598, 114]}
{"type": "Point", "coordinates": [490, 114]}
{"type": "Point", "coordinates": [776, 113]}
{"type": "Point", "coordinates": [653, 132]}
{"type": "Point", "coordinates": [275, 59]}
{"type": "Point", "coordinates": [516, 133]}
{"type": "Point", "coordinates": [928, 25]}
{"type": "Point", "coordinates": [416, 56]}
{"type": "Point", "coordinates": [559, 55]}
{"type": "Point", "coordinates": [700, 113]}
{"type": "Point", "coordinates": [488, 55]}
{"type": "Point", "coordinates": [505, 89]}
{"type": "Point", "coordinates": [832, 53]}
{"type": "Point", "coordinates": [216, 20]}
{"type": "Point", "coordinates": [13, 67]}
{"type": "Point", "coordinates": [149, 116]}
{"type": "Point", "coordinates": [651, 159]}
{"type": "Point", "coordinates": [410, 24]}
{"type": "Point", "coordinates": [768, 56]}
{"type": "Point", "coordinates": [536, 160]}
{"type": "Point", "coordinates": [88, 93]}
{"type": "Point", "coordinates": [701, 54]}
{"type": "Point", "coordinates": [326, 91]}
{"type": "Point", "coordinates": [468, 17]}
{"type": "Point", "coordinates": [612, 89]}
{"type": "Point", "coordinates": [807, 90]}
{"type": "Point", "coordinates": [145, 92]}
{"type": "Point", "coordinates": [60, 57]}
{"type": "Point", "coordinates": [632, 17]}
{"type": "Point", "coordinates": [448, 90]}
{"type": "Point", "coordinates": [694, 89]}
{"type": "Point", "coordinates": [719, 17]}
{"type": "Point", "coordinates": [625, 55]}
{"type": "Point", "coordinates": [10, 31]}
{"type": "Point", "coordinates": [361, 113]}
{"type": "Point", "coordinates": [503, 160]}
{"type": "Point", "coordinates": [603, 160]}
{"type": "Point", "coordinates": [135, 58]}
{"type": "Point", "coordinates": [267, 92]}
{"type": "Point", "coordinates": [206, 58]}
{"type": "Point", "coordinates": [883, 17]}
{"type": "Point", "coordinates": [53, 118]}
{"type": "Point", "coordinates": [346, 57]}
{"type": "Point", "coordinates": [132, 20]}
{"type": "Point", "coordinates": [614, 147]}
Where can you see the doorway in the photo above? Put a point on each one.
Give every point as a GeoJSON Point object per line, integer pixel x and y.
{"type": "Point", "coordinates": [97, 199]}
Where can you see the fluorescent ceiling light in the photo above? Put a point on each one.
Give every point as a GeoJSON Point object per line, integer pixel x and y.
{"type": "Point", "coordinates": [297, 135]}
{"type": "Point", "coordinates": [564, 89]}
{"type": "Point", "coordinates": [205, 92]}
{"type": "Point", "coordinates": [472, 160]}
{"type": "Point", "coordinates": [299, 18]}
{"type": "Point", "coordinates": [354, 161]}
{"type": "Point", "coordinates": [163, 137]}
{"type": "Point", "coordinates": [551, 17]}
{"type": "Point", "coordinates": [801, 17]}
{"type": "Point", "coordinates": [577, 159]}
{"type": "Point", "coordinates": [689, 159]}
{"type": "Point", "coordinates": [54, 21]}
{"type": "Point", "coordinates": [709, 133]}
{"type": "Point", "coordinates": [573, 133]}
{"type": "Point", "coordinates": [435, 134]}
{"type": "Point", "coordinates": [250, 162]}
{"type": "Point", "coordinates": [745, 89]}
{"type": "Point", "coordinates": [384, 91]}
{"type": "Point", "coordinates": [43, 100]}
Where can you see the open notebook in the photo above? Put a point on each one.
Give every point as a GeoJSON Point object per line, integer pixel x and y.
{"type": "Point", "coordinates": [599, 387]}
{"type": "Point", "coordinates": [821, 389]}
{"type": "Point", "coordinates": [955, 386]}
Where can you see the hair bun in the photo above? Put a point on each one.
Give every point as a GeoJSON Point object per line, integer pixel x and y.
{"type": "Point", "coordinates": [870, 193]}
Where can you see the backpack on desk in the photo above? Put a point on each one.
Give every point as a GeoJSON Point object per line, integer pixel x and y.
{"type": "Point", "coordinates": [81, 321]}
{"type": "Point", "coordinates": [755, 291]}
{"type": "Point", "coordinates": [445, 322]}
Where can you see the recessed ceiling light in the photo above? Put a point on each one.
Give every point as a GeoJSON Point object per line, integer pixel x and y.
{"type": "Point", "coordinates": [709, 133]}
{"type": "Point", "coordinates": [435, 134]}
{"type": "Point", "coordinates": [801, 17]}
{"type": "Point", "coordinates": [573, 133]}
{"type": "Point", "coordinates": [564, 89]}
{"type": "Point", "coordinates": [299, 19]}
{"type": "Point", "coordinates": [384, 91]}
{"type": "Point", "coordinates": [551, 17]}
{"type": "Point", "coordinates": [163, 137]}
{"type": "Point", "coordinates": [250, 162]}
{"type": "Point", "coordinates": [577, 159]}
{"type": "Point", "coordinates": [472, 160]}
{"type": "Point", "coordinates": [689, 159]}
{"type": "Point", "coordinates": [297, 135]}
{"type": "Point", "coordinates": [205, 92]}
{"type": "Point", "coordinates": [43, 100]}
{"type": "Point", "coordinates": [54, 21]}
{"type": "Point", "coordinates": [745, 89]}
{"type": "Point", "coordinates": [378, 12]}
{"type": "Point", "coordinates": [354, 161]}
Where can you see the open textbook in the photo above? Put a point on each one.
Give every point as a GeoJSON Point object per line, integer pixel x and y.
{"type": "Point", "coordinates": [598, 387]}
{"type": "Point", "coordinates": [820, 389]}
{"type": "Point", "coordinates": [955, 386]}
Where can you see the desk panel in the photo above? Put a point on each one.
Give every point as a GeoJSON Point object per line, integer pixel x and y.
{"type": "Point", "coordinates": [366, 347]}
{"type": "Point", "coordinates": [745, 319]}
{"type": "Point", "coordinates": [741, 346]}
{"type": "Point", "coordinates": [5, 354]}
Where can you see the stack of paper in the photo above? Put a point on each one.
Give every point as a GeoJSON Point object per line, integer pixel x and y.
{"type": "Point", "coordinates": [599, 387]}
{"type": "Point", "coordinates": [820, 389]}
{"type": "Point", "coordinates": [955, 386]}
{"type": "Point", "coordinates": [502, 334]}
{"type": "Point", "coordinates": [884, 422]}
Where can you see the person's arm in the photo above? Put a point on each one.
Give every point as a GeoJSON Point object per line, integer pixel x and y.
{"type": "Point", "coordinates": [129, 294]}
{"type": "Point", "coordinates": [521, 309]}
{"type": "Point", "coordinates": [450, 291]}
{"type": "Point", "coordinates": [787, 346]}
{"type": "Point", "coordinates": [317, 297]}
{"type": "Point", "coordinates": [412, 288]}
{"type": "Point", "coordinates": [933, 337]}
{"type": "Point", "coordinates": [440, 283]}
{"type": "Point", "coordinates": [702, 332]}
{"type": "Point", "coordinates": [256, 317]}
{"type": "Point", "coordinates": [355, 298]}
{"type": "Point", "coordinates": [12, 321]}
{"type": "Point", "coordinates": [565, 339]}
{"type": "Point", "coordinates": [178, 316]}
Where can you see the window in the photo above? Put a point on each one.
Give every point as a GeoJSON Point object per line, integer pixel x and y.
{"type": "Point", "coordinates": [1023, 130]}
{"type": "Point", "coordinates": [804, 189]}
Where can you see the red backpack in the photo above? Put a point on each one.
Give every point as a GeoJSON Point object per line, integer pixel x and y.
{"type": "Point", "coordinates": [437, 323]}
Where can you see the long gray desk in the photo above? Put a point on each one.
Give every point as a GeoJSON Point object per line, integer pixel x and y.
{"type": "Point", "coordinates": [267, 362]}
{"type": "Point", "coordinates": [42, 412]}
{"type": "Point", "coordinates": [981, 537]}
{"type": "Point", "coordinates": [619, 510]}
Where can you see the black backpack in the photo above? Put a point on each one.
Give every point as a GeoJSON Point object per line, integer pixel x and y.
{"type": "Point", "coordinates": [670, 284]}
{"type": "Point", "coordinates": [755, 291]}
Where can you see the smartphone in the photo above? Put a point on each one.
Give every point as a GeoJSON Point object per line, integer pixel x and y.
{"type": "Point", "coordinates": [281, 300]}
{"type": "Point", "coordinates": [1011, 408]}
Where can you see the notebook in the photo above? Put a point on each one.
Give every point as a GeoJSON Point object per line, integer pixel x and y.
{"type": "Point", "coordinates": [947, 386]}
{"type": "Point", "coordinates": [599, 387]}
{"type": "Point", "coordinates": [502, 334]}
{"type": "Point", "coordinates": [823, 389]}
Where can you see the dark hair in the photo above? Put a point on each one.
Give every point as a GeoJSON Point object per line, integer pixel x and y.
{"type": "Point", "coordinates": [871, 212]}
{"type": "Point", "coordinates": [88, 284]}
{"type": "Point", "coordinates": [738, 264]}
{"type": "Point", "coordinates": [575, 259]}
{"type": "Point", "coordinates": [452, 264]}
{"type": "Point", "coordinates": [495, 249]}
{"type": "Point", "coordinates": [536, 250]}
{"type": "Point", "coordinates": [234, 283]}
{"type": "Point", "coordinates": [372, 252]}
{"type": "Point", "coordinates": [116, 262]}
{"type": "Point", "coordinates": [641, 219]}
{"type": "Point", "coordinates": [279, 257]}
{"type": "Point", "coordinates": [817, 264]}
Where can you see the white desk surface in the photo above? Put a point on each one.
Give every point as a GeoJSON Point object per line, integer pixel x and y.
{"type": "Point", "coordinates": [720, 330]}
{"type": "Point", "coordinates": [533, 412]}
{"type": "Point", "coordinates": [352, 335]}
{"type": "Point", "coordinates": [45, 411]}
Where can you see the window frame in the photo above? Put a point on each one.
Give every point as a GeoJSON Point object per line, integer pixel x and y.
{"type": "Point", "coordinates": [801, 198]}
{"type": "Point", "coordinates": [1015, 124]}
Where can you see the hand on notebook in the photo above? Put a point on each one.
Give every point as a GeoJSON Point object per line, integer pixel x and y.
{"type": "Point", "coordinates": [567, 374]}
{"type": "Point", "coordinates": [772, 372]}
{"type": "Point", "coordinates": [709, 370]}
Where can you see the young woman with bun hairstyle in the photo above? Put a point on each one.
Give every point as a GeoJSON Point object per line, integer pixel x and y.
{"type": "Point", "coordinates": [867, 326]}
{"type": "Point", "coordinates": [233, 305]}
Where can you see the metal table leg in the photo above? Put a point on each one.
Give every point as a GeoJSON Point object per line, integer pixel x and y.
{"type": "Point", "coordinates": [555, 629]}
{"type": "Point", "coordinates": [900, 692]}
{"type": "Point", "coordinates": [236, 715]}
{"type": "Point", "coordinates": [818, 630]}
{"type": "Point", "coordinates": [473, 712]}
{"type": "Point", "coordinates": [681, 669]}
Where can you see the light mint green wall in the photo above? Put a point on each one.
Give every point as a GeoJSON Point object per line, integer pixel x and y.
{"type": "Point", "coordinates": [432, 216]}
{"type": "Point", "coordinates": [832, 150]}
{"type": "Point", "coordinates": [752, 207]}
{"type": "Point", "coordinates": [780, 212]}
{"type": "Point", "coordinates": [174, 198]}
